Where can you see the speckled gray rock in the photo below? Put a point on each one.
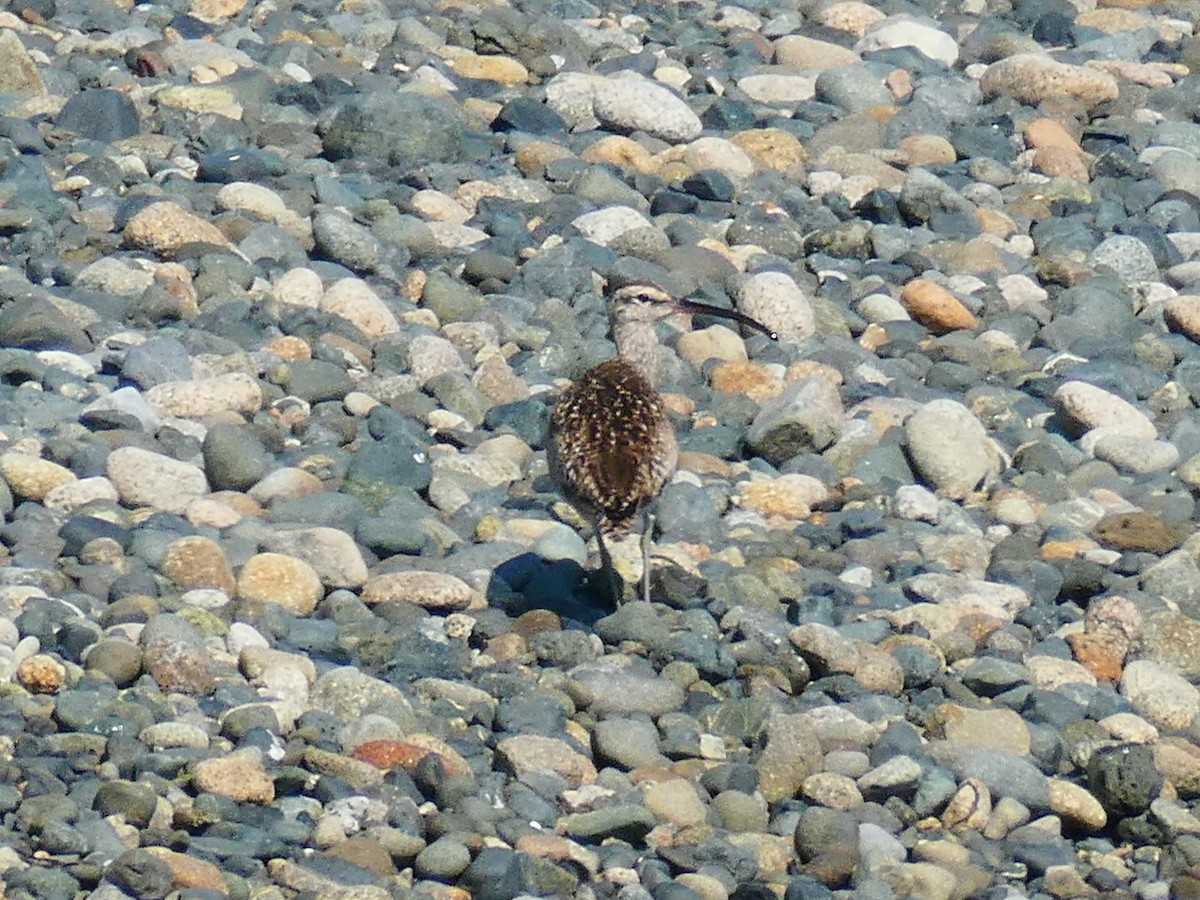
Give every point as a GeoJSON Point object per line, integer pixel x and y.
{"type": "Point", "coordinates": [790, 753]}
{"type": "Point", "coordinates": [330, 551]}
{"type": "Point", "coordinates": [175, 656]}
{"type": "Point", "coordinates": [775, 299]}
{"type": "Point", "coordinates": [609, 689]}
{"type": "Point", "coordinates": [1126, 257]}
{"type": "Point", "coordinates": [144, 478]}
{"type": "Point", "coordinates": [348, 693]}
{"type": "Point", "coordinates": [344, 240]}
{"type": "Point", "coordinates": [634, 103]}
{"type": "Point", "coordinates": [805, 417]}
{"type": "Point", "coordinates": [949, 447]}
{"type": "Point", "coordinates": [1160, 694]}
{"type": "Point", "coordinates": [1088, 407]}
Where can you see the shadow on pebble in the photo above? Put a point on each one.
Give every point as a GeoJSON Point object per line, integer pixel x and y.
{"type": "Point", "coordinates": [529, 582]}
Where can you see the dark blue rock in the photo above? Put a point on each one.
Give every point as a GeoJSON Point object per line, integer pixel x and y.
{"type": "Point", "coordinates": [973, 140]}
{"type": "Point", "coordinates": [379, 469]}
{"type": "Point", "coordinates": [400, 129]}
{"type": "Point", "coordinates": [528, 115]}
{"type": "Point", "coordinates": [99, 114]}
{"type": "Point", "coordinates": [140, 874]}
{"type": "Point", "coordinates": [728, 114]}
{"type": "Point", "coordinates": [1039, 849]}
{"type": "Point", "coordinates": [709, 184]}
{"type": "Point", "coordinates": [234, 458]}
{"type": "Point", "coordinates": [669, 201]}
{"type": "Point", "coordinates": [1123, 778]}
{"type": "Point", "coordinates": [36, 324]}
{"type": "Point", "coordinates": [494, 874]}
{"type": "Point", "coordinates": [919, 666]}
{"type": "Point", "coordinates": [527, 419]}
{"type": "Point", "coordinates": [78, 530]}
{"type": "Point", "coordinates": [190, 27]}
{"type": "Point", "coordinates": [1041, 580]}
{"type": "Point", "coordinates": [393, 531]}
{"type": "Point", "coordinates": [533, 712]}
{"type": "Point", "coordinates": [238, 164]}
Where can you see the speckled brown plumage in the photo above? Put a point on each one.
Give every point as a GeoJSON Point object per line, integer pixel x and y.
{"type": "Point", "coordinates": [612, 447]}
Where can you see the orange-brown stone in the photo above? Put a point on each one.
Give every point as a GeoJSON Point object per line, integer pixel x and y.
{"type": "Point", "coordinates": [1101, 654]}
{"type": "Point", "coordinates": [746, 378]}
{"type": "Point", "coordinates": [198, 562]}
{"type": "Point", "coordinates": [935, 307]}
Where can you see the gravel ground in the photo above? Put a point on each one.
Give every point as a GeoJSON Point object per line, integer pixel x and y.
{"type": "Point", "coordinates": [289, 607]}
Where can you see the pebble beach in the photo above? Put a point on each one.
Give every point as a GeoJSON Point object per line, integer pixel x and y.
{"type": "Point", "coordinates": [289, 605]}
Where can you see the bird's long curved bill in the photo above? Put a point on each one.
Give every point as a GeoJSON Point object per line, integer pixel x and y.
{"type": "Point", "coordinates": [693, 306]}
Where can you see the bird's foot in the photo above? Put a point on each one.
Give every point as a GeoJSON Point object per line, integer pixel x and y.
{"type": "Point", "coordinates": [606, 586]}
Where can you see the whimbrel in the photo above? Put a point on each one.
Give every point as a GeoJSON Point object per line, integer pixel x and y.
{"type": "Point", "coordinates": [611, 447]}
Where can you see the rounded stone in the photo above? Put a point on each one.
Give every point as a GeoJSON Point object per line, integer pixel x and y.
{"type": "Point", "coordinates": [31, 477]}
{"type": "Point", "coordinates": [166, 227]}
{"type": "Point", "coordinates": [443, 860]}
{"type": "Point", "coordinates": [353, 300]}
{"type": "Point", "coordinates": [775, 300]}
{"type": "Point", "coordinates": [949, 447]}
{"type": "Point", "coordinates": [1033, 77]}
{"type": "Point", "coordinates": [234, 458]}
{"type": "Point", "coordinates": [638, 104]}
{"type": "Point", "coordinates": [936, 307]}
{"type": "Point", "coordinates": [198, 562]}
{"type": "Point", "coordinates": [202, 397]}
{"type": "Point", "coordinates": [119, 659]}
{"type": "Point", "coordinates": [145, 478]}
{"type": "Point", "coordinates": [240, 776]}
{"type": "Point", "coordinates": [175, 656]}
{"type": "Point", "coordinates": [1087, 406]}
{"type": "Point", "coordinates": [1160, 694]}
{"type": "Point", "coordinates": [278, 578]}
{"type": "Point", "coordinates": [41, 674]}
{"type": "Point", "coordinates": [435, 591]}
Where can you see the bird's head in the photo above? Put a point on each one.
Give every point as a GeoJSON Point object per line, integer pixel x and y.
{"type": "Point", "coordinates": [646, 303]}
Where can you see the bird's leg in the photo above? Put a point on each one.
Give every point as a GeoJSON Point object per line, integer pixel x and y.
{"type": "Point", "coordinates": [647, 531]}
{"type": "Point", "coordinates": [611, 582]}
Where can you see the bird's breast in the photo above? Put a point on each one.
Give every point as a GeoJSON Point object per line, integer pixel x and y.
{"type": "Point", "coordinates": [611, 443]}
